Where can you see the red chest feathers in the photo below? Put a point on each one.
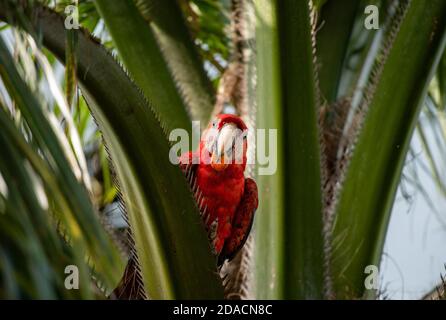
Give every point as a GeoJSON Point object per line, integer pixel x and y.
{"type": "Point", "coordinates": [222, 190]}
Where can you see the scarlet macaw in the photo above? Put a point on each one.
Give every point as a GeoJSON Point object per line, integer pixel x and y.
{"type": "Point", "coordinates": [228, 200]}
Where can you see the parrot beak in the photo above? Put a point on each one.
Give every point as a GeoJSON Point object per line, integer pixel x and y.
{"type": "Point", "coordinates": [218, 164]}
{"type": "Point", "coordinates": [223, 143]}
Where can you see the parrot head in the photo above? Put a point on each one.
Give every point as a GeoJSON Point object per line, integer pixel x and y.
{"type": "Point", "coordinates": [225, 142]}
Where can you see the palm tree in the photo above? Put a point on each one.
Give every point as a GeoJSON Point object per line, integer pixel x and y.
{"type": "Point", "coordinates": [344, 101]}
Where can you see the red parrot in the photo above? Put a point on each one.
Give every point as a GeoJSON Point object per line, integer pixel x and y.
{"type": "Point", "coordinates": [228, 200]}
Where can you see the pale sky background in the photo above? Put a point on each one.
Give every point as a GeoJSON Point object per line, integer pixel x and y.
{"type": "Point", "coordinates": [415, 248]}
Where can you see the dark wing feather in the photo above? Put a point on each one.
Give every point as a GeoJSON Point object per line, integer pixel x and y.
{"type": "Point", "coordinates": [243, 219]}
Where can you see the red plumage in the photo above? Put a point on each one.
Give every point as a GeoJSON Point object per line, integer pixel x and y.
{"type": "Point", "coordinates": [227, 197]}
